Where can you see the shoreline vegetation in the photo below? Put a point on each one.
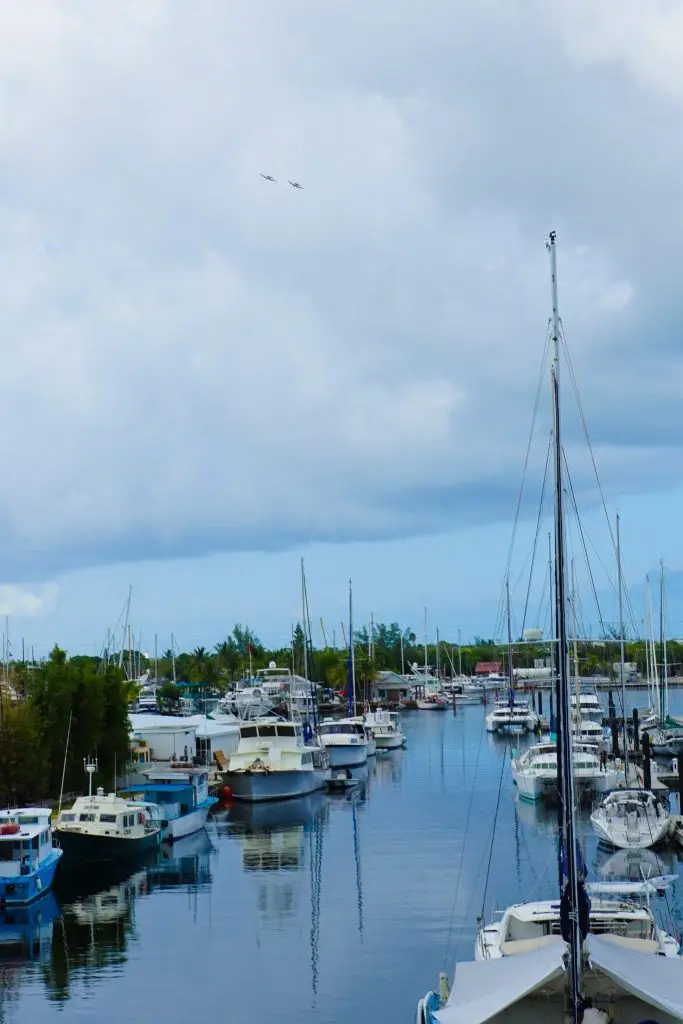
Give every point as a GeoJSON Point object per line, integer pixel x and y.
{"type": "Point", "coordinates": [87, 699]}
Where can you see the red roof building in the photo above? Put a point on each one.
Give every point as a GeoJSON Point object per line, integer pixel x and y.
{"type": "Point", "coordinates": [487, 668]}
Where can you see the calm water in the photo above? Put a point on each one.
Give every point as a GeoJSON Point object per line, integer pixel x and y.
{"type": "Point", "coordinates": [324, 910]}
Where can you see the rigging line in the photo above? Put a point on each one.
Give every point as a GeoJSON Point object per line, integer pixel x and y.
{"type": "Point", "coordinates": [537, 400]}
{"type": "Point", "coordinates": [495, 821]}
{"type": "Point", "coordinates": [630, 613]}
{"type": "Point", "coordinates": [584, 424]}
{"type": "Point", "coordinates": [462, 851]}
{"type": "Point", "coordinates": [538, 530]}
{"type": "Point", "coordinates": [583, 543]}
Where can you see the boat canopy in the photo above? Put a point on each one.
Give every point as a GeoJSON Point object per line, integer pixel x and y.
{"type": "Point", "coordinates": [484, 988]}
{"type": "Point", "coordinates": [654, 979]}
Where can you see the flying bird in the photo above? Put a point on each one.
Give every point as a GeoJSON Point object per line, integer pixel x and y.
{"type": "Point", "coordinates": [295, 184]}
{"type": "Point", "coordinates": [268, 177]}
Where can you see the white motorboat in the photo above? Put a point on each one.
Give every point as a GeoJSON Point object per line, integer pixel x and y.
{"type": "Point", "coordinates": [386, 729]}
{"type": "Point", "coordinates": [535, 771]}
{"type": "Point", "coordinates": [345, 740]}
{"type": "Point", "coordinates": [588, 731]}
{"type": "Point", "coordinates": [525, 927]}
{"type": "Point", "coordinates": [632, 819]}
{"type": "Point", "coordinates": [272, 762]}
{"type": "Point", "coordinates": [589, 705]}
{"type": "Point", "coordinates": [512, 717]}
{"type": "Point", "coordinates": [181, 792]}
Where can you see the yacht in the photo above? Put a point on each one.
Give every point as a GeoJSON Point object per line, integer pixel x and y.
{"type": "Point", "coordinates": [272, 762]}
{"type": "Point", "coordinates": [525, 927]}
{"type": "Point", "coordinates": [345, 740]}
{"type": "Point", "coordinates": [386, 729]}
{"type": "Point", "coordinates": [535, 770]}
{"type": "Point", "coordinates": [589, 705]}
{"type": "Point", "coordinates": [632, 819]}
{"type": "Point", "coordinates": [28, 857]}
{"type": "Point", "coordinates": [512, 717]}
{"type": "Point", "coordinates": [181, 793]}
{"type": "Point", "coordinates": [107, 827]}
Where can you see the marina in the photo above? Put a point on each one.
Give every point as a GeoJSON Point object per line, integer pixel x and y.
{"type": "Point", "coordinates": [374, 883]}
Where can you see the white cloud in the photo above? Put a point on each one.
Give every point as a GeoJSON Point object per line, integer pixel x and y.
{"type": "Point", "coordinates": [193, 358]}
{"type": "Point", "coordinates": [28, 602]}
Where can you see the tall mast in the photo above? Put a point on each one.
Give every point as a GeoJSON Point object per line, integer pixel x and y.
{"type": "Point", "coordinates": [459, 656]}
{"type": "Point", "coordinates": [622, 659]}
{"type": "Point", "coordinates": [571, 910]}
{"type": "Point", "coordinates": [426, 665]}
{"type": "Point", "coordinates": [665, 663]}
{"type": "Point", "coordinates": [352, 662]}
{"type": "Point", "coordinates": [662, 647]}
{"type": "Point", "coordinates": [511, 679]}
{"type": "Point", "coordinates": [303, 619]}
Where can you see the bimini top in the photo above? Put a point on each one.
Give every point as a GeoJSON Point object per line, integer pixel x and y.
{"type": "Point", "coordinates": [484, 989]}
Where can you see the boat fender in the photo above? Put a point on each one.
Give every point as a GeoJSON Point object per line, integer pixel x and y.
{"type": "Point", "coordinates": [39, 884]}
{"type": "Point", "coordinates": [674, 770]}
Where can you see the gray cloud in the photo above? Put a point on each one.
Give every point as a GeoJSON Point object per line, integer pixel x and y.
{"type": "Point", "coordinates": [195, 360]}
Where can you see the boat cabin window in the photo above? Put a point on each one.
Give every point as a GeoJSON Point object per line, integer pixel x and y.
{"type": "Point", "coordinates": [68, 817]}
{"type": "Point", "coordinates": [29, 819]}
{"type": "Point", "coordinates": [265, 731]}
{"type": "Point", "coordinates": [110, 819]}
{"type": "Point", "coordinates": [249, 732]}
{"type": "Point", "coordinates": [286, 730]}
{"type": "Point", "coordinates": [86, 817]}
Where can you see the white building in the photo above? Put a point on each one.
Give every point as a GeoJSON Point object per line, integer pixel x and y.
{"type": "Point", "coordinates": [170, 737]}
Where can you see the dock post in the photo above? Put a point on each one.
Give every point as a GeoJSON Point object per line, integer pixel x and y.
{"type": "Point", "coordinates": [540, 702]}
{"type": "Point", "coordinates": [647, 768]}
{"type": "Point", "coordinates": [615, 736]}
{"type": "Point", "coordinates": [636, 734]}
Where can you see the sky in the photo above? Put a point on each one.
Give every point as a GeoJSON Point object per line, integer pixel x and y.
{"type": "Point", "coordinates": [207, 376]}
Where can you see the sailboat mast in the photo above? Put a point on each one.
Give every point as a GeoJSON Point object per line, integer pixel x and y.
{"type": "Point", "coordinates": [622, 659]}
{"type": "Point", "coordinates": [511, 678]}
{"type": "Point", "coordinates": [303, 619]}
{"type": "Point", "coordinates": [568, 846]}
{"type": "Point", "coordinates": [352, 663]}
{"type": "Point", "coordinates": [426, 665]}
{"type": "Point", "coordinates": [662, 646]}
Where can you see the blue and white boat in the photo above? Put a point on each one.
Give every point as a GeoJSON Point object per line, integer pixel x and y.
{"type": "Point", "coordinates": [181, 792]}
{"type": "Point", "coordinates": [28, 859]}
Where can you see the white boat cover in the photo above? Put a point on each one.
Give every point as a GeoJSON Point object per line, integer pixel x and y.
{"type": "Point", "coordinates": [482, 989]}
{"type": "Point", "coordinates": [657, 980]}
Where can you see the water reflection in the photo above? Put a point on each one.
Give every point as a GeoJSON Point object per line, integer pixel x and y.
{"type": "Point", "coordinates": [87, 924]}
{"type": "Point", "coordinates": [634, 865]}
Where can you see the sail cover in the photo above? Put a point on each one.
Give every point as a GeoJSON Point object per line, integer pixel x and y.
{"type": "Point", "coordinates": [482, 989]}
{"type": "Point", "coordinates": [657, 980]}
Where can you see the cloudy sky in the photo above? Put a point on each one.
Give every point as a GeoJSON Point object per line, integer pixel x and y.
{"type": "Point", "coordinates": [206, 376]}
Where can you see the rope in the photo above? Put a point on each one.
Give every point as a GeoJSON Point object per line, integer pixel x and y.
{"type": "Point", "coordinates": [495, 820]}
{"type": "Point", "coordinates": [462, 851]}
{"type": "Point", "coordinates": [524, 475]}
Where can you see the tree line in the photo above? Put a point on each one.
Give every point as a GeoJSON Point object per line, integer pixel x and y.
{"type": "Point", "coordinates": [385, 647]}
{"type": "Point", "coordinates": [52, 716]}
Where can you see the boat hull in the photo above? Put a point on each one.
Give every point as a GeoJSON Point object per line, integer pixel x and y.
{"type": "Point", "coordinates": [18, 890]}
{"type": "Point", "coordinates": [390, 742]}
{"type": "Point", "coordinates": [430, 705]}
{"type": "Point", "coordinates": [531, 786]}
{"type": "Point", "coordinates": [187, 824]}
{"type": "Point", "coordinates": [87, 848]}
{"type": "Point", "coordinates": [275, 785]}
{"type": "Point", "coordinates": [347, 755]}
{"type": "Point", "coordinates": [647, 833]}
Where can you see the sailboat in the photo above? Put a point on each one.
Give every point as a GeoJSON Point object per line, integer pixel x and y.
{"type": "Point", "coordinates": [666, 732]}
{"type": "Point", "coordinates": [565, 972]}
{"type": "Point", "coordinates": [346, 739]}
